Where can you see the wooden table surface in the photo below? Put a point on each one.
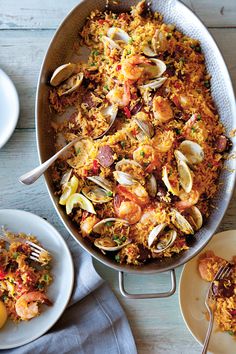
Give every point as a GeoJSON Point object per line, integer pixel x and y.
{"type": "Point", "coordinates": [26, 28]}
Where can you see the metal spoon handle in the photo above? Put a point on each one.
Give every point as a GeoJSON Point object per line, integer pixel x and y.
{"type": "Point", "coordinates": [32, 176]}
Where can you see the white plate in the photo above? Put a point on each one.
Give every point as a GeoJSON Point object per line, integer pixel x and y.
{"type": "Point", "coordinates": [192, 291]}
{"type": "Point", "coordinates": [9, 107]}
{"type": "Point", "coordinates": [13, 335]}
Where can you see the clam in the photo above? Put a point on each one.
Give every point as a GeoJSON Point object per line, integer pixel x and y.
{"type": "Point", "coordinates": [148, 51]}
{"type": "Point", "coordinates": [123, 162]}
{"type": "Point", "coordinates": [151, 186]}
{"type": "Point", "coordinates": [108, 244]}
{"type": "Point", "coordinates": [154, 84]}
{"type": "Point", "coordinates": [156, 70]}
{"type": "Point", "coordinates": [181, 222]}
{"type": "Point", "coordinates": [99, 227]}
{"type": "Point", "coordinates": [185, 176]}
{"type": "Point", "coordinates": [110, 112]}
{"type": "Point", "coordinates": [161, 239]}
{"type": "Point", "coordinates": [192, 151]}
{"type": "Point", "coordinates": [171, 188]}
{"type": "Point", "coordinates": [159, 41]}
{"type": "Point", "coordinates": [195, 217]}
{"type": "Point", "coordinates": [110, 43]}
{"type": "Point", "coordinates": [117, 34]}
{"type": "Point", "coordinates": [180, 156]}
{"type": "Point", "coordinates": [102, 182]}
{"type": "Point", "coordinates": [124, 178]}
{"type": "Point", "coordinates": [96, 194]}
{"type": "Point", "coordinates": [146, 126]}
{"type": "Point", "coordinates": [71, 84]}
{"type": "Point", "coordinates": [62, 73]}
{"type": "Point", "coordinates": [81, 201]}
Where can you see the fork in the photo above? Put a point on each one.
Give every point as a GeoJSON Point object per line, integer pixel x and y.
{"type": "Point", "coordinates": [222, 273]}
{"type": "Point", "coordinates": [37, 253]}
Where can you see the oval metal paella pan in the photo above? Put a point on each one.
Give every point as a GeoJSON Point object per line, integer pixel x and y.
{"type": "Point", "coordinates": [60, 52]}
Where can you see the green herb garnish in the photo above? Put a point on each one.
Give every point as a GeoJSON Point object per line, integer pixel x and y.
{"type": "Point", "coordinates": [15, 255]}
{"type": "Point", "coordinates": [122, 143]}
{"type": "Point", "coordinates": [130, 41]}
{"type": "Point", "coordinates": [106, 87]}
{"type": "Point", "coordinates": [109, 223]}
{"type": "Point", "coordinates": [199, 117]}
{"type": "Point", "coordinates": [142, 153]}
{"type": "Point", "coordinates": [231, 333]}
{"type": "Point", "coordinates": [123, 239]}
{"type": "Point", "coordinates": [207, 84]}
{"type": "Point", "coordinates": [117, 258]}
{"type": "Point", "coordinates": [109, 194]}
{"type": "Point", "coordinates": [46, 277]}
{"type": "Point", "coordinates": [178, 131]}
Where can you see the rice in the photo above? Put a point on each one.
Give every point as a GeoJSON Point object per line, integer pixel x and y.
{"type": "Point", "coordinates": [119, 73]}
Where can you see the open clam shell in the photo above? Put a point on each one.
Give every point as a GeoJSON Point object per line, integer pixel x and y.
{"type": "Point", "coordinates": [62, 73]}
{"type": "Point", "coordinates": [123, 162]}
{"type": "Point", "coordinates": [180, 156]}
{"type": "Point", "coordinates": [181, 222]}
{"type": "Point", "coordinates": [110, 43]}
{"type": "Point", "coordinates": [165, 178]}
{"type": "Point", "coordinates": [108, 222]}
{"type": "Point", "coordinates": [146, 127]}
{"type": "Point", "coordinates": [117, 34]}
{"type": "Point", "coordinates": [154, 84]}
{"type": "Point", "coordinates": [192, 151]}
{"type": "Point", "coordinates": [157, 69]}
{"type": "Point", "coordinates": [148, 51]}
{"type": "Point", "coordinates": [161, 238]}
{"type": "Point", "coordinates": [66, 177]}
{"type": "Point", "coordinates": [151, 186]}
{"type": "Point", "coordinates": [71, 84]}
{"type": "Point", "coordinates": [107, 244]}
{"type": "Point", "coordinates": [102, 182]}
{"type": "Point", "coordinates": [110, 112]}
{"type": "Point", "coordinates": [96, 194]}
{"type": "Point", "coordinates": [123, 178]}
{"type": "Point", "coordinates": [195, 217]}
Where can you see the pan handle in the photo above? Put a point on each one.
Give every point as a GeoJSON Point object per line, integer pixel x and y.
{"type": "Point", "coordinates": [148, 295]}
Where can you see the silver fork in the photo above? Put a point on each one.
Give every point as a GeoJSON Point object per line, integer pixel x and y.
{"type": "Point", "coordinates": [222, 273]}
{"type": "Point", "coordinates": [37, 253]}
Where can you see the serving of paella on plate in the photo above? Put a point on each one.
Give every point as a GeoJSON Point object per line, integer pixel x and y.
{"type": "Point", "coordinates": [139, 188]}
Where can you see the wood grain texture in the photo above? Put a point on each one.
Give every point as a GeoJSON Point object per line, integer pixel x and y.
{"type": "Point", "coordinates": [22, 53]}
{"type": "Point", "coordinates": [49, 13]}
{"type": "Point", "coordinates": [27, 28]}
{"type": "Point", "coordinates": [157, 325]}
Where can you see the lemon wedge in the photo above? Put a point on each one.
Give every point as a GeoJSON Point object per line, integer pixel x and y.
{"type": "Point", "coordinates": [3, 314]}
{"type": "Point", "coordinates": [185, 176]}
{"type": "Point", "coordinates": [165, 179]}
{"type": "Point", "coordinates": [81, 201]}
{"type": "Point", "coordinates": [69, 189]}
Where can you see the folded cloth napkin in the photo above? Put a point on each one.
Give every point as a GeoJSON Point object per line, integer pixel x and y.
{"type": "Point", "coordinates": [93, 323]}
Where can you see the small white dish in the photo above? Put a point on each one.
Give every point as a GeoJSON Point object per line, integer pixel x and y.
{"type": "Point", "coordinates": [14, 335]}
{"type": "Point", "coordinates": [192, 292]}
{"type": "Point", "coordinates": [9, 108]}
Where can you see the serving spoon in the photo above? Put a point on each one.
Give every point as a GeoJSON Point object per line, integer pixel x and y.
{"type": "Point", "coordinates": [32, 176]}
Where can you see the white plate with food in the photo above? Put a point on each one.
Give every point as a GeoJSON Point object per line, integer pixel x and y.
{"type": "Point", "coordinates": [44, 288]}
{"type": "Point", "coordinates": [192, 292]}
{"type": "Point", "coordinates": [9, 107]}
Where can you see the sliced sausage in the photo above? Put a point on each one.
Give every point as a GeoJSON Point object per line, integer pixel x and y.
{"type": "Point", "coordinates": [222, 143]}
{"type": "Point", "coordinates": [105, 156]}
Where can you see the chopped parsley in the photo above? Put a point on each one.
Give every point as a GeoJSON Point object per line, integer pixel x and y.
{"type": "Point", "coordinates": [178, 131]}
{"type": "Point", "coordinates": [123, 239]}
{"type": "Point", "coordinates": [199, 117]}
{"type": "Point", "coordinates": [109, 223]}
{"type": "Point", "coordinates": [78, 151]}
{"type": "Point", "coordinates": [122, 143]}
{"type": "Point", "coordinates": [106, 87]}
{"type": "Point", "coordinates": [142, 153]}
{"type": "Point", "coordinates": [117, 258]}
{"type": "Point", "coordinates": [95, 52]}
{"type": "Point", "coordinates": [207, 84]}
{"type": "Point", "coordinates": [109, 193]}
{"type": "Point", "coordinates": [130, 41]}
{"type": "Point", "coordinates": [231, 333]}
{"type": "Point", "coordinates": [15, 255]}
{"type": "Point", "coordinates": [128, 52]}
{"type": "Point", "coordinates": [193, 129]}
{"type": "Point", "coordinates": [93, 64]}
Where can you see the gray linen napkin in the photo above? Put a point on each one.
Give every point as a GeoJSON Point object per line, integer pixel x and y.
{"type": "Point", "coordinates": [93, 323]}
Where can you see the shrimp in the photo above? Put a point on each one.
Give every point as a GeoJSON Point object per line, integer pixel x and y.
{"type": "Point", "coordinates": [159, 41]}
{"type": "Point", "coordinates": [130, 211]}
{"type": "Point", "coordinates": [209, 264]}
{"type": "Point", "coordinates": [162, 110]}
{"type": "Point", "coordinates": [120, 95]}
{"type": "Point", "coordinates": [194, 128]}
{"type": "Point", "coordinates": [187, 200]}
{"type": "Point", "coordinates": [27, 305]}
{"type": "Point", "coordinates": [87, 225]}
{"type": "Point", "coordinates": [144, 154]}
{"type": "Point", "coordinates": [136, 193]}
{"type": "Point", "coordinates": [164, 140]}
{"type": "Point", "coordinates": [131, 69]}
